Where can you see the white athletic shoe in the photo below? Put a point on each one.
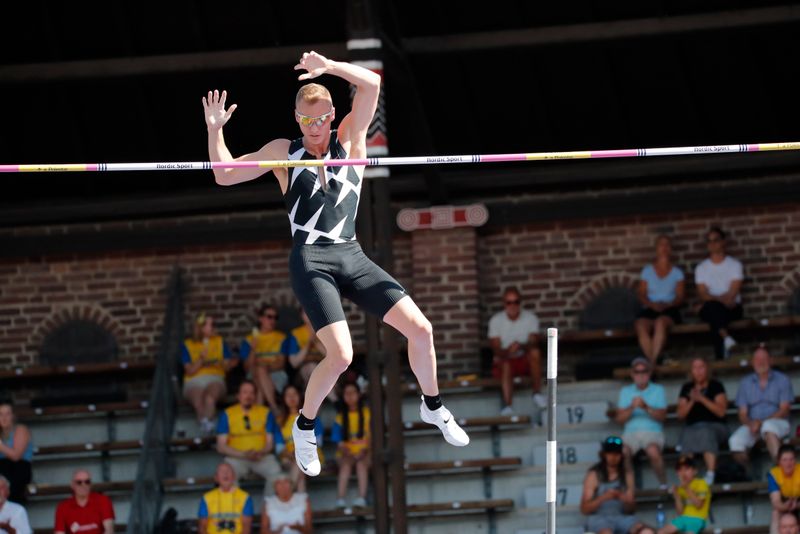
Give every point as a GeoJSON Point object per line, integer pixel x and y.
{"type": "Point", "coordinates": [305, 450]}
{"type": "Point", "coordinates": [359, 502]}
{"type": "Point", "coordinates": [442, 418]}
{"type": "Point", "coordinates": [507, 411]}
{"type": "Point", "coordinates": [540, 400]}
{"type": "Point", "coordinates": [729, 343]}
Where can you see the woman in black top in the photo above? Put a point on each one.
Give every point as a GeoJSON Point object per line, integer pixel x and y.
{"type": "Point", "coordinates": [702, 405]}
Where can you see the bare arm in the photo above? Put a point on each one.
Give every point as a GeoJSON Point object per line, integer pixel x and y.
{"type": "Point", "coordinates": [216, 117]}
{"type": "Point", "coordinates": [353, 127]}
{"type": "Point", "coordinates": [227, 450]}
{"type": "Point", "coordinates": [641, 292]}
{"type": "Point", "coordinates": [702, 292]}
{"type": "Point", "coordinates": [590, 503]}
{"type": "Point", "coordinates": [718, 406]}
{"type": "Point", "coordinates": [202, 526]}
{"type": "Point", "coordinates": [684, 407]}
{"type": "Point", "coordinates": [22, 437]}
{"type": "Point", "coordinates": [680, 293]}
{"type": "Point", "coordinates": [108, 526]}
{"type": "Point", "coordinates": [247, 524]}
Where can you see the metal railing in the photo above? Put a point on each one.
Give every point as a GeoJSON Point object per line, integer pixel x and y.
{"type": "Point", "coordinates": [154, 461]}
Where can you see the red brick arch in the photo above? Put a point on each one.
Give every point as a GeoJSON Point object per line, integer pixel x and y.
{"type": "Point", "coordinates": [594, 287]}
{"type": "Point", "coordinates": [87, 312]}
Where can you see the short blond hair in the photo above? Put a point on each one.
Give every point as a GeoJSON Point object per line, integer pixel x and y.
{"type": "Point", "coordinates": [312, 93]}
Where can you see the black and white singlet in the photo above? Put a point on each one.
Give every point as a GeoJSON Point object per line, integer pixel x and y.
{"type": "Point", "coordinates": [326, 262]}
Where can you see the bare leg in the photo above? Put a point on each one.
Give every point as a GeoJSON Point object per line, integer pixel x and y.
{"type": "Point", "coordinates": [774, 521]}
{"type": "Point", "coordinates": [654, 454]}
{"type": "Point", "coordinates": [506, 387]}
{"type": "Point", "coordinates": [711, 461]}
{"type": "Point", "coordinates": [773, 444]}
{"type": "Point", "coordinates": [662, 326]}
{"type": "Point", "coordinates": [345, 469]}
{"type": "Point", "coordinates": [211, 396]}
{"type": "Point", "coordinates": [362, 471]}
{"type": "Point", "coordinates": [643, 328]}
{"type": "Point", "coordinates": [265, 386]}
{"type": "Point", "coordinates": [339, 353]}
{"type": "Point", "coordinates": [407, 318]}
{"type": "Point", "coordinates": [535, 364]}
{"type": "Point", "coordinates": [195, 397]}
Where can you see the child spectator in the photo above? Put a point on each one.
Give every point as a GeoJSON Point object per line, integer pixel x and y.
{"type": "Point", "coordinates": [351, 432]}
{"type": "Point", "coordinates": [692, 499]}
{"type": "Point", "coordinates": [783, 485]}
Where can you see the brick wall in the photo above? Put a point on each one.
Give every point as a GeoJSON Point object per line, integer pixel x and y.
{"type": "Point", "coordinates": [455, 276]}
{"type": "Point", "coordinates": [559, 267]}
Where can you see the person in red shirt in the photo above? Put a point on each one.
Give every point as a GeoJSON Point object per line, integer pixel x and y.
{"type": "Point", "coordinates": [85, 512]}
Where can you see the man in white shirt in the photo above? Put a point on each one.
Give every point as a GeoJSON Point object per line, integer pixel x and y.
{"type": "Point", "coordinates": [514, 338]}
{"type": "Point", "coordinates": [719, 282]}
{"type": "Point", "coordinates": [13, 518]}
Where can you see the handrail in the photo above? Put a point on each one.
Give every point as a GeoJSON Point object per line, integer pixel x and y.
{"type": "Point", "coordinates": [154, 464]}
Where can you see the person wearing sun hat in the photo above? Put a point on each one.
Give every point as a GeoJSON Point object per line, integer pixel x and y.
{"type": "Point", "coordinates": [608, 500]}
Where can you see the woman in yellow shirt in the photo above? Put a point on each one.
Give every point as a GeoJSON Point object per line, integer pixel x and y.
{"type": "Point", "coordinates": [351, 432]}
{"type": "Point", "coordinates": [206, 358]}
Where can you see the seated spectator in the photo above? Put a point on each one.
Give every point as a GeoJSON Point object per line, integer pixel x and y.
{"type": "Point", "coordinates": [719, 282]}
{"type": "Point", "coordinates": [312, 351]}
{"type": "Point", "coordinates": [206, 358]}
{"type": "Point", "coordinates": [764, 400]}
{"type": "Point", "coordinates": [783, 485]}
{"type": "Point", "coordinates": [284, 441]}
{"type": "Point", "coordinates": [227, 508]}
{"type": "Point", "coordinates": [16, 453]}
{"type": "Point", "coordinates": [245, 436]}
{"type": "Point", "coordinates": [701, 405]}
{"type": "Point", "coordinates": [351, 432]}
{"type": "Point", "coordinates": [86, 512]}
{"type": "Point", "coordinates": [642, 408]}
{"type": "Point", "coordinates": [286, 512]}
{"type": "Point", "coordinates": [661, 290]}
{"type": "Point", "coordinates": [788, 524]}
{"type": "Point", "coordinates": [607, 499]}
{"type": "Point", "coordinates": [514, 338]}
{"type": "Point", "coordinates": [692, 499]}
{"type": "Point", "coordinates": [264, 353]}
{"type": "Point", "coordinates": [13, 517]}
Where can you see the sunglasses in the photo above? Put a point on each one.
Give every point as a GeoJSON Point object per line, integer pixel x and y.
{"type": "Point", "coordinates": [614, 441]}
{"type": "Point", "coordinates": [640, 371]}
{"type": "Point", "coordinates": [305, 120]}
{"type": "Point", "coordinates": [247, 422]}
{"type": "Point", "coordinates": [512, 303]}
{"type": "Point", "coordinates": [270, 316]}
{"type": "Point", "coordinates": [83, 481]}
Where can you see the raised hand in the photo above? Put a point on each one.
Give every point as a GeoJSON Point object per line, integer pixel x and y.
{"type": "Point", "coordinates": [214, 106]}
{"type": "Point", "coordinates": [315, 64]}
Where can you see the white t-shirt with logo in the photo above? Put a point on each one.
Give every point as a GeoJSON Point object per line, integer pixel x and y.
{"type": "Point", "coordinates": [520, 330]}
{"type": "Point", "coordinates": [16, 516]}
{"type": "Point", "coordinates": [717, 277]}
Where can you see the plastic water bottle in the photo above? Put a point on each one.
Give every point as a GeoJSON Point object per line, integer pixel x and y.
{"type": "Point", "coordinates": [660, 519]}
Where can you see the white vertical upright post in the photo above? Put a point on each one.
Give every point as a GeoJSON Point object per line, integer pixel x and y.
{"type": "Point", "coordinates": [552, 445]}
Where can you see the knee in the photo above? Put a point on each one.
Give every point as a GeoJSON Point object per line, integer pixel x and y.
{"type": "Point", "coordinates": [340, 358]}
{"type": "Point", "coordinates": [663, 323]}
{"type": "Point", "coordinates": [641, 326]}
{"type": "Point", "coordinates": [422, 330]}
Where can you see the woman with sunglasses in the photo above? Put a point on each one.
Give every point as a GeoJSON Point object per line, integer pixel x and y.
{"type": "Point", "coordinates": [608, 499]}
{"type": "Point", "coordinates": [326, 261]}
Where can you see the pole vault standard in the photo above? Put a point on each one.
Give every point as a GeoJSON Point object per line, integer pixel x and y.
{"type": "Point", "coordinates": [552, 442]}
{"type": "Point", "coordinates": [413, 160]}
